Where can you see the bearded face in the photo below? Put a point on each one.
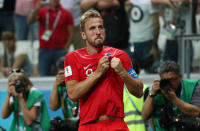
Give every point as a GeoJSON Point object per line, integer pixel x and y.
{"type": "Point", "coordinates": [94, 33]}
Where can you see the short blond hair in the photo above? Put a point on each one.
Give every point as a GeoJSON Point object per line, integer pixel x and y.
{"type": "Point", "coordinates": [86, 15]}
{"type": "Point", "coordinates": [20, 76]}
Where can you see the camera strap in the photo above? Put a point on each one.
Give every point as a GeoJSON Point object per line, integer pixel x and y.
{"type": "Point", "coordinates": [138, 112]}
{"type": "Point", "coordinates": [181, 93]}
{"type": "Point", "coordinates": [17, 116]}
{"type": "Point", "coordinates": [55, 22]}
{"type": "Point", "coordinates": [60, 95]}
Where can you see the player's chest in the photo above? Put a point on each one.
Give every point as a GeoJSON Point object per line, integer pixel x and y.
{"type": "Point", "coordinates": [87, 68]}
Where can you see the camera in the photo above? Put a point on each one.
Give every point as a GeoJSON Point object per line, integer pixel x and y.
{"type": "Point", "coordinates": [185, 123]}
{"type": "Point", "coordinates": [57, 124]}
{"type": "Point", "coordinates": [62, 84]}
{"type": "Point", "coordinates": [165, 84]}
{"type": "Point", "coordinates": [19, 86]}
{"type": "Point", "coordinates": [166, 117]}
{"type": "Point", "coordinates": [180, 122]}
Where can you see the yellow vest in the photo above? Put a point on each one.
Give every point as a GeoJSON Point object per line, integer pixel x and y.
{"type": "Point", "coordinates": [132, 119]}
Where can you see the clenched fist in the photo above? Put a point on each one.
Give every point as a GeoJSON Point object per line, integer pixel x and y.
{"type": "Point", "coordinates": [117, 65]}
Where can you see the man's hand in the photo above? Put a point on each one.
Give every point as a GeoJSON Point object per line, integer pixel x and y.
{"type": "Point", "coordinates": [117, 65]}
{"type": "Point", "coordinates": [6, 71]}
{"type": "Point", "coordinates": [170, 95]}
{"type": "Point", "coordinates": [103, 64]}
{"type": "Point", "coordinates": [60, 77]}
{"type": "Point", "coordinates": [40, 4]}
{"type": "Point", "coordinates": [155, 86]}
{"type": "Point", "coordinates": [32, 17]}
{"type": "Point", "coordinates": [11, 90]}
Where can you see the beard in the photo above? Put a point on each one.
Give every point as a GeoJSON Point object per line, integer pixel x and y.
{"type": "Point", "coordinates": [97, 43]}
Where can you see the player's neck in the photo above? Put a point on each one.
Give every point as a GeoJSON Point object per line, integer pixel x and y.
{"type": "Point", "coordinates": [54, 7]}
{"type": "Point", "coordinates": [92, 50]}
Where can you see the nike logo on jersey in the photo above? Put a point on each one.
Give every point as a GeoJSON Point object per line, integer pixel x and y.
{"type": "Point", "coordinates": [85, 68]}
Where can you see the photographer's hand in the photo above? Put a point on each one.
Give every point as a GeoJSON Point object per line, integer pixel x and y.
{"type": "Point", "coordinates": [54, 98]}
{"type": "Point", "coordinates": [148, 106]}
{"type": "Point", "coordinates": [60, 77]}
{"type": "Point", "coordinates": [12, 91]}
{"type": "Point", "coordinates": [29, 115]}
{"type": "Point", "coordinates": [170, 95]}
{"type": "Point", "coordinates": [155, 86]}
{"type": "Point", "coordinates": [7, 107]}
{"type": "Point", "coordinates": [186, 108]}
{"type": "Point", "coordinates": [17, 95]}
{"type": "Point", "coordinates": [10, 88]}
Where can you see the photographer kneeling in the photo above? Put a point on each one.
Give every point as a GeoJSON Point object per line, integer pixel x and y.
{"type": "Point", "coordinates": [173, 102]}
{"type": "Point", "coordinates": [27, 104]}
{"type": "Point", "coordinates": [59, 99]}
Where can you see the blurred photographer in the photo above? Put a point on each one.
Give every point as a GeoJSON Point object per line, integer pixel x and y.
{"type": "Point", "coordinates": [27, 104]}
{"type": "Point", "coordinates": [173, 102]}
{"type": "Point", "coordinates": [14, 55]}
{"type": "Point", "coordinates": [59, 98]}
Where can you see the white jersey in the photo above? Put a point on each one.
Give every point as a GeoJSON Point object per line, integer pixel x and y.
{"type": "Point", "coordinates": [141, 23]}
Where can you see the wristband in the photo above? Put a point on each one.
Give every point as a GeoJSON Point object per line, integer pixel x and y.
{"type": "Point", "coordinates": [151, 95]}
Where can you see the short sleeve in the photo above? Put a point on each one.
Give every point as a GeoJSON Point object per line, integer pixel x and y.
{"type": "Point", "coordinates": [71, 69]}
{"type": "Point", "coordinates": [37, 103]}
{"type": "Point", "coordinates": [196, 96]}
{"type": "Point", "coordinates": [126, 61]}
{"type": "Point", "coordinates": [153, 8]}
{"type": "Point", "coordinates": [20, 50]}
{"type": "Point", "coordinates": [11, 100]}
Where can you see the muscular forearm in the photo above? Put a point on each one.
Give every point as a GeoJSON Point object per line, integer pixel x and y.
{"type": "Point", "coordinates": [70, 33]}
{"type": "Point", "coordinates": [165, 2]}
{"type": "Point", "coordinates": [160, 1]}
{"type": "Point", "coordinates": [147, 108]}
{"type": "Point", "coordinates": [80, 89]}
{"type": "Point", "coordinates": [156, 27]}
{"type": "Point", "coordinates": [7, 108]}
{"type": "Point", "coordinates": [32, 17]}
{"type": "Point", "coordinates": [29, 116]}
{"type": "Point", "coordinates": [105, 4]}
{"type": "Point", "coordinates": [135, 86]}
{"type": "Point", "coordinates": [186, 108]}
{"type": "Point", "coordinates": [87, 4]}
{"type": "Point", "coordinates": [54, 100]}
{"type": "Point", "coordinates": [19, 61]}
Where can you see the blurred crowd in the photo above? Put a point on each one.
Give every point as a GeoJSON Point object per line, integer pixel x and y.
{"type": "Point", "coordinates": [130, 25]}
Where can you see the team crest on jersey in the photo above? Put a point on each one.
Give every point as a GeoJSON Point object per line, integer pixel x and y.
{"type": "Point", "coordinates": [108, 54]}
{"type": "Point", "coordinates": [136, 13]}
{"type": "Point", "coordinates": [68, 71]}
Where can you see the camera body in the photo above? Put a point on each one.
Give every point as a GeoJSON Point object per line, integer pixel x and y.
{"type": "Point", "coordinates": [180, 122]}
{"type": "Point", "coordinates": [57, 124]}
{"type": "Point", "coordinates": [165, 84]}
{"type": "Point", "coordinates": [185, 123]}
{"type": "Point", "coordinates": [19, 86]}
{"type": "Point", "coordinates": [62, 84]}
{"type": "Point", "coordinates": [166, 116]}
